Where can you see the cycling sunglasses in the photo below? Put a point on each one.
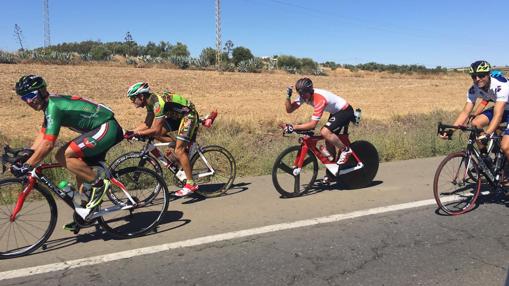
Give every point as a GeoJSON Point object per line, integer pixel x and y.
{"type": "Point", "coordinates": [29, 97]}
{"type": "Point", "coordinates": [479, 75]}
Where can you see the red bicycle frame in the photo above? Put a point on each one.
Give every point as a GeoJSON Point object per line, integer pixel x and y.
{"type": "Point", "coordinates": [36, 175]}
{"type": "Point", "coordinates": [309, 143]}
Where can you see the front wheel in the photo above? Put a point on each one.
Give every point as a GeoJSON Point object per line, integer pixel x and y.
{"type": "Point", "coordinates": [34, 223]}
{"type": "Point", "coordinates": [287, 179]}
{"type": "Point", "coordinates": [140, 219]}
{"type": "Point", "coordinates": [362, 177]}
{"type": "Point", "coordinates": [214, 170]}
{"type": "Point", "coordinates": [457, 184]}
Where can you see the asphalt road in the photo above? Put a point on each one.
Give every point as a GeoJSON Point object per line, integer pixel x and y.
{"type": "Point", "coordinates": [413, 246]}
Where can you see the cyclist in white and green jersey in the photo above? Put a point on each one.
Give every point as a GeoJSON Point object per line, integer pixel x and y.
{"type": "Point", "coordinates": [96, 123]}
{"type": "Point", "coordinates": [167, 112]}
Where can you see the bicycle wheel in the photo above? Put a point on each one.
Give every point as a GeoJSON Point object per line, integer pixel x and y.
{"type": "Point", "coordinates": [362, 177]}
{"type": "Point", "coordinates": [214, 169]}
{"type": "Point", "coordinates": [145, 216]}
{"type": "Point", "coordinates": [133, 159]}
{"type": "Point", "coordinates": [283, 178]}
{"type": "Point", "coordinates": [33, 224]}
{"type": "Point", "coordinates": [454, 188]}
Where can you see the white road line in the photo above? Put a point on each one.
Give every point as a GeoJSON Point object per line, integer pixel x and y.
{"type": "Point", "coordinates": [204, 240]}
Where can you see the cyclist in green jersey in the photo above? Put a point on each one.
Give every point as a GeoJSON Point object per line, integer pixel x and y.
{"type": "Point", "coordinates": [99, 132]}
{"type": "Point", "coordinates": [167, 112]}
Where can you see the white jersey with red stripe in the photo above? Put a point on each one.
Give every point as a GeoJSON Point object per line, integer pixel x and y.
{"type": "Point", "coordinates": [324, 100]}
{"type": "Point", "coordinates": [498, 91]}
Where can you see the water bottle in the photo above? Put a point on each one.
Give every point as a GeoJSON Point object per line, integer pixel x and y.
{"type": "Point", "coordinates": [326, 153]}
{"type": "Point", "coordinates": [66, 188]}
{"type": "Point", "coordinates": [172, 158]}
{"type": "Point", "coordinates": [357, 116]}
{"type": "Point", "coordinates": [209, 119]}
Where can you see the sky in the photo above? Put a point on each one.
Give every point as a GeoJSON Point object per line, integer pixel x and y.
{"type": "Point", "coordinates": [447, 33]}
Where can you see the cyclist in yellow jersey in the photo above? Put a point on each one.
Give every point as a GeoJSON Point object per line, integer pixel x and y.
{"type": "Point", "coordinates": [168, 112]}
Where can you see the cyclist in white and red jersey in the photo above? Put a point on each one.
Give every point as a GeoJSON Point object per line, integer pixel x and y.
{"type": "Point", "coordinates": [341, 113]}
{"type": "Point", "coordinates": [489, 87]}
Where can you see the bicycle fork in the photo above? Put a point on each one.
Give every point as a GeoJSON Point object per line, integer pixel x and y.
{"type": "Point", "coordinates": [21, 198]}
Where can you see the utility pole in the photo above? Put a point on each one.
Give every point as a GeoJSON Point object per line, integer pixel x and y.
{"type": "Point", "coordinates": [218, 35]}
{"type": "Point", "coordinates": [19, 36]}
{"type": "Point", "coordinates": [47, 39]}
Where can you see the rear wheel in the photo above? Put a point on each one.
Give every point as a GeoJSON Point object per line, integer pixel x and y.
{"type": "Point", "coordinates": [457, 184]}
{"type": "Point", "coordinates": [214, 172]}
{"type": "Point", "coordinates": [33, 224]}
{"type": "Point", "coordinates": [140, 183]}
{"type": "Point", "coordinates": [362, 177]}
{"type": "Point", "coordinates": [285, 181]}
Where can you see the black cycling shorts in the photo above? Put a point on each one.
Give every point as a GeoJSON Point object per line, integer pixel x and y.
{"type": "Point", "coordinates": [339, 119]}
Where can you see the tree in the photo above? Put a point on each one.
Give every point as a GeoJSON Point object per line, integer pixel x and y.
{"type": "Point", "coordinates": [151, 49]}
{"type": "Point", "coordinates": [240, 54]}
{"type": "Point", "coordinates": [100, 53]}
{"type": "Point", "coordinates": [307, 65]}
{"type": "Point", "coordinates": [289, 62]}
{"type": "Point", "coordinates": [208, 56]}
{"type": "Point", "coordinates": [19, 36]}
{"type": "Point", "coordinates": [228, 47]}
{"type": "Point", "coordinates": [179, 50]}
{"type": "Point", "coordinates": [130, 43]}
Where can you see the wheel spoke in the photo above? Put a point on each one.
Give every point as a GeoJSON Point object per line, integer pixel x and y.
{"type": "Point", "coordinates": [285, 168]}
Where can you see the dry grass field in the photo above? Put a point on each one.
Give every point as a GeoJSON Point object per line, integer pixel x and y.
{"type": "Point", "coordinates": [400, 111]}
{"type": "Point", "coordinates": [254, 100]}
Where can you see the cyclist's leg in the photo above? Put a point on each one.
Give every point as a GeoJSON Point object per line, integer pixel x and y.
{"type": "Point", "coordinates": [483, 120]}
{"type": "Point", "coordinates": [91, 147]}
{"type": "Point", "coordinates": [187, 129]}
{"type": "Point", "coordinates": [334, 125]}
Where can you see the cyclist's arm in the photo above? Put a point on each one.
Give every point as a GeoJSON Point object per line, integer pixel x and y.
{"type": "Point", "coordinates": [155, 129]}
{"type": "Point", "coordinates": [40, 152]}
{"type": "Point", "coordinates": [498, 111]}
{"type": "Point", "coordinates": [140, 127]}
{"type": "Point", "coordinates": [480, 107]}
{"type": "Point", "coordinates": [38, 139]}
{"type": "Point", "coordinates": [463, 116]}
{"type": "Point", "coordinates": [306, 126]}
{"type": "Point", "coordinates": [49, 132]}
{"type": "Point", "coordinates": [291, 106]}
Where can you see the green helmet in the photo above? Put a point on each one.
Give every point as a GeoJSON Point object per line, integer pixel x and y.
{"type": "Point", "coordinates": [479, 67]}
{"type": "Point", "coordinates": [29, 83]}
{"type": "Point", "coordinates": [138, 88]}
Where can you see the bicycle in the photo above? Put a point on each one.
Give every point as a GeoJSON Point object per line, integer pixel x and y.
{"type": "Point", "coordinates": [28, 211]}
{"type": "Point", "coordinates": [460, 176]}
{"type": "Point", "coordinates": [301, 163]}
{"type": "Point", "coordinates": [214, 167]}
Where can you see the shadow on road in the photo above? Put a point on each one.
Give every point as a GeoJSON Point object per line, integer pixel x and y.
{"type": "Point", "coordinates": [100, 234]}
{"type": "Point", "coordinates": [494, 197]}
{"type": "Point", "coordinates": [235, 189]}
{"type": "Point", "coordinates": [319, 187]}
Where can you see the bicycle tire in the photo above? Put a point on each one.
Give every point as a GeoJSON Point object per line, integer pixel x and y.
{"type": "Point", "coordinates": [363, 177]}
{"type": "Point", "coordinates": [283, 162]}
{"type": "Point", "coordinates": [112, 223]}
{"type": "Point", "coordinates": [35, 201]}
{"type": "Point", "coordinates": [143, 162]}
{"type": "Point", "coordinates": [468, 188]}
{"type": "Point", "coordinates": [220, 182]}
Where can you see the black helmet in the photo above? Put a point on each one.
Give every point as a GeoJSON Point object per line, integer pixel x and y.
{"type": "Point", "coordinates": [304, 85]}
{"type": "Point", "coordinates": [479, 67]}
{"type": "Point", "coordinates": [29, 83]}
